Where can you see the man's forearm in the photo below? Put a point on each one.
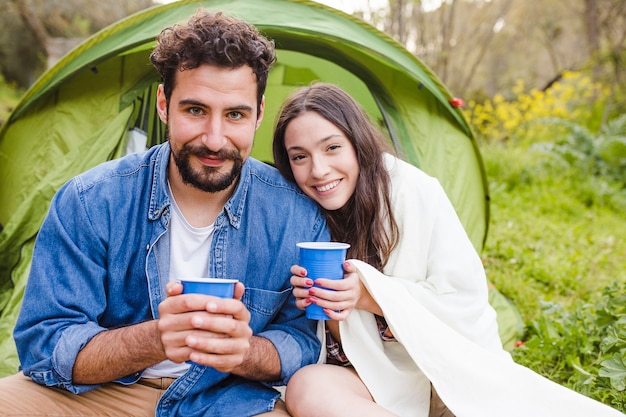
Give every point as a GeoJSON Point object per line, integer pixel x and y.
{"type": "Point", "coordinates": [117, 353]}
{"type": "Point", "coordinates": [261, 363]}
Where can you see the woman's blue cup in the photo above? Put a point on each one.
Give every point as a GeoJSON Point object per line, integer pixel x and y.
{"type": "Point", "coordinates": [218, 287]}
{"type": "Point", "coordinates": [322, 260]}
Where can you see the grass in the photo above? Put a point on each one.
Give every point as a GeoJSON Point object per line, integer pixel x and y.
{"type": "Point", "coordinates": [555, 234]}
{"type": "Point", "coordinates": [556, 248]}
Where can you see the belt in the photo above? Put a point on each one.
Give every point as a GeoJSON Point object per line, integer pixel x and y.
{"type": "Point", "coordinates": [158, 383]}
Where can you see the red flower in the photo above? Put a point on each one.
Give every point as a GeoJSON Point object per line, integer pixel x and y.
{"type": "Point", "coordinates": [457, 102]}
{"type": "Point", "coordinates": [519, 343]}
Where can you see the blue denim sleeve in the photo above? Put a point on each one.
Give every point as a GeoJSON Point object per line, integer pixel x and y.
{"type": "Point", "coordinates": [295, 336]}
{"type": "Point", "coordinates": [62, 299]}
{"type": "Point", "coordinates": [62, 360]}
{"type": "Point", "coordinates": [292, 356]}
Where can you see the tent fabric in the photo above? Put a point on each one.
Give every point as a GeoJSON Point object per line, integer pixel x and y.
{"type": "Point", "coordinates": [80, 112]}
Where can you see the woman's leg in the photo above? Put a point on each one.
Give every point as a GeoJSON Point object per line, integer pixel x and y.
{"type": "Point", "coordinates": [330, 390]}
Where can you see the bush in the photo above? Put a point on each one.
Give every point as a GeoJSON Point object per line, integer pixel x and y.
{"type": "Point", "coordinates": [602, 155]}
{"type": "Point", "coordinates": [574, 98]}
{"type": "Point", "coordinates": [582, 348]}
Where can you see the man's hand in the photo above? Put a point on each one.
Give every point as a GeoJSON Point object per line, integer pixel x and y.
{"type": "Point", "coordinates": [207, 330]}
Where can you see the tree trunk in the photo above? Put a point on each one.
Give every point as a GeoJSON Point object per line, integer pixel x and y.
{"type": "Point", "coordinates": [484, 46]}
{"type": "Point", "coordinates": [33, 23]}
{"type": "Point", "coordinates": [593, 38]}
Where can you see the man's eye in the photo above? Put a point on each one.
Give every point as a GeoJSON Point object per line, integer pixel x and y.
{"type": "Point", "coordinates": [235, 115]}
{"type": "Point", "coordinates": [196, 111]}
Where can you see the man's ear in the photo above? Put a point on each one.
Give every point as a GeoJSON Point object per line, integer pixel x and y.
{"type": "Point", "coordinates": [261, 113]}
{"type": "Point", "coordinates": [161, 104]}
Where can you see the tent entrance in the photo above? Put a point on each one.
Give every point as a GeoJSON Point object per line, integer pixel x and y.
{"type": "Point", "coordinates": [293, 69]}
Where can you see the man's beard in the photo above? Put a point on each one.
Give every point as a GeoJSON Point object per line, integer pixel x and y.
{"type": "Point", "coordinates": [207, 178]}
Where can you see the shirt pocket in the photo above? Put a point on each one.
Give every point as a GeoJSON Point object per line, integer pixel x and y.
{"type": "Point", "coordinates": [263, 305]}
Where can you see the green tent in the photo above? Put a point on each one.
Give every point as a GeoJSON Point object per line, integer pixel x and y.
{"type": "Point", "coordinates": [97, 103]}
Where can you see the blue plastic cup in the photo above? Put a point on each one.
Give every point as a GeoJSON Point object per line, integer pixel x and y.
{"type": "Point", "coordinates": [218, 287]}
{"type": "Point", "coordinates": [322, 260]}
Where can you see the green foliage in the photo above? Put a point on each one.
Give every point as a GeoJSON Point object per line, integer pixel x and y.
{"type": "Point", "coordinates": [574, 98]}
{"type": "Point", "coordinates": [602, 155]}
{"type": "Point", "coordinates": [554, 232]}
{"type": "Point", "coordinates": [9, 97]}
{"type": "Point", "coordinates": [557, 236]}
{"type": "Point", "coordinates": [34, 32]}
{"type": "Point", "coordinates": [583, 348]}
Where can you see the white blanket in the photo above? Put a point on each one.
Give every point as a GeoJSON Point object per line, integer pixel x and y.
{"type": "Point", "coordinates": [471, 380]}
{"type": "Point", "coordinates": [434, 297]}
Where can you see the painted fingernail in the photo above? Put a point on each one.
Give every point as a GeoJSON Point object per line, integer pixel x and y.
{"type": "Point", "coordinates": [303, 272]}
{"type": "Point", "coordinates": [309, 282]}
{"type": "Point", "coordinates": [311, 291]}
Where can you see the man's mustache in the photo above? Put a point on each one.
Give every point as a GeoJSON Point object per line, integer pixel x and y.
{"type": "Point", "coordinates": [224, 154]}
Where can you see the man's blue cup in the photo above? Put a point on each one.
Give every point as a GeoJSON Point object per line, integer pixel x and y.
{"type": "Point", "coordinates": [218, 287]}
{"type": "Point", "coordinates": [322, 260]}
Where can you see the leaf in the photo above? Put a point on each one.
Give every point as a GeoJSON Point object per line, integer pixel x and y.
{"type": "Point", "coordinates": [612, 340]}
{"type": "Point", "coordinates": [614, 368]}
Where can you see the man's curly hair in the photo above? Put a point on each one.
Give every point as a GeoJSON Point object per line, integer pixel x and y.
{"type": "Point", "coordinates": [214, 39]}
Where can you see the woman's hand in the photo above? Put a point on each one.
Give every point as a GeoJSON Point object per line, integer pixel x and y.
{"type": "Point", "coordinates": [337, 297]}
{"type": "Point", "coordinates": [301, 285]}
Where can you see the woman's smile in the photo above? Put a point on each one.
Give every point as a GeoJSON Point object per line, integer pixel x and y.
{"type": "Point", "coordinates": [327, 187]}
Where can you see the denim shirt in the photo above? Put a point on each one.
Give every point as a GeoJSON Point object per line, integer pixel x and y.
{"type": "Point", "coordinates": [101, 261]}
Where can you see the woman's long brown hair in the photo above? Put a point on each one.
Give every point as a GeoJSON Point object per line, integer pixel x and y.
{"type": "Point", "coordinates": [366, 221]}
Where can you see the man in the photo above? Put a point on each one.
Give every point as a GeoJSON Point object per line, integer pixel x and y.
{"type": "Point", "coordinates": [102, 314]}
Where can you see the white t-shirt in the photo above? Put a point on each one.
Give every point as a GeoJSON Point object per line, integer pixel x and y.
{"type": "Point", "coordinates": [189, 257]}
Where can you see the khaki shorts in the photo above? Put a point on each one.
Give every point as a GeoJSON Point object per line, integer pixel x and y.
{"type": "Point", "coordinates": [20, 396]}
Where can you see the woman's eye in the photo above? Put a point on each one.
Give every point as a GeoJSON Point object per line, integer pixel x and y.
{"type": "Point", "coordinates": [297, 157]}
{"type": "Point", "coordinates": [334, 147]}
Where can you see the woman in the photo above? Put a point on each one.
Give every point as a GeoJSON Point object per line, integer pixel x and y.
{"type": "Point", "coordinates": [412, 311]}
